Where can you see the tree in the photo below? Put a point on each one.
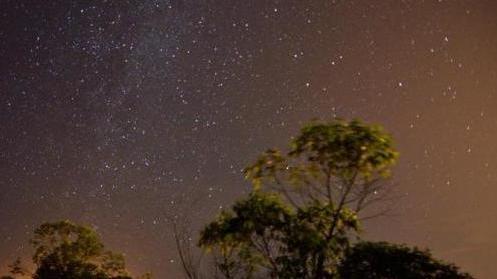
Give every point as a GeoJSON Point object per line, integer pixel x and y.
{"type": "Point", "coordinates": [303, 216]}
{"type": "Point", "coordinates": [67, 250]}
{"type": "Point", "coordinates": [381, 260]}
{"type": "Point", "coordinates": [305, 204]}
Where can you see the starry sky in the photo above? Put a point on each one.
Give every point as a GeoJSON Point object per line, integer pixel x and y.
{"type": "Point", "coordinates": [121, 114]}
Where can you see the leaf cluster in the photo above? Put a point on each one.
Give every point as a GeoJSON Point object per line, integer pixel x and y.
{"type": "Point", "coordinates": [303, 213]}
{"type": "Point", "coordinates": [298, 220]}
{"type": "Point", "coordinates": [67, 250]}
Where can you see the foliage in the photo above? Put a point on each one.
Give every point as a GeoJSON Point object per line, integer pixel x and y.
{"type": "Point", "coordinates": [298, 220]}
{"type": "Point", "coordinates": [381, 260]}
{"type": "Point", "coordinates": [303, 213]}
{"type": "Point", "coordinates": [339, 162]}
{"type": "Point", "coordinates": [64, 250]}
{"type": "Point", "coordinates": [67, 250]}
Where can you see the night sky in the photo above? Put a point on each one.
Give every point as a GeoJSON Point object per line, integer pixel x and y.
{"type": "Point", "coordinates": [121, 114]}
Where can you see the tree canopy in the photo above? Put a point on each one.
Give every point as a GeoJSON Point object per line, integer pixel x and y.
{"type": "Point", "coordinates": [373, 260]}
{"type": "Point", "coordinates": [301, 220]}
{"type": "Point", "coordinates": [303, 215]}
{"type": "Point", "coordinates": [65, 250]}
{"type": "Point", "coordinates": [304, 208]}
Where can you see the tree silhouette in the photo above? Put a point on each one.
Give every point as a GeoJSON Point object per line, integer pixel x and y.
{"type": "Point", "coordinates": [67, 250]}
{"type": "Point", "coordinates": [381, 260]}
{"type": "Point", "coordinates": [64, 250]}
{"type": "Point", "coordinates": [298, 221]}
{"type": "Point", "coordinates": [304, 212]}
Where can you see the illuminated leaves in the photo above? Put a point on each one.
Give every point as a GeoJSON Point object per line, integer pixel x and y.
{"type": "Point", "coordinates": [67, 250]}
{"type": "Point", "coordinates": [298, 220]}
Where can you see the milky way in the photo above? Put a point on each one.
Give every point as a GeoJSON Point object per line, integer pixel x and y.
{"type": "Point", "coordinates": [119, 114]}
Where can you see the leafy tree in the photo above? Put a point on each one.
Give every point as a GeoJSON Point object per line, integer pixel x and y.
{"type": "Point", "coordinates": [303, 210]}
{"type": "Point", "coordinates": [381, 260]}
{"type": "Point", "coordinates": [64, 250]}
{"type": "Point", "coordinates": [67, 250]}
{"type": "Point", "coordinates": [303, 215]}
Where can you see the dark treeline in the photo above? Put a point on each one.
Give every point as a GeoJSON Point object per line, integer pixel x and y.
{"type": "Point", "coordinates": [301, 220]}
